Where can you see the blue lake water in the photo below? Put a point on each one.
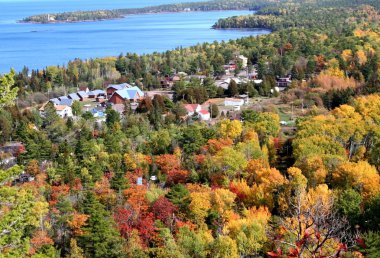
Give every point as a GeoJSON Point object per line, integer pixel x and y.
{"type": "Point", "coordinates": [40, 45]}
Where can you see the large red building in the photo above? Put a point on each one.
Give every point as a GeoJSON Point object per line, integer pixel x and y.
{"type": "Point", "coordinates": [115, 87]}
{"type": "Point", "coordinates": [133, 94]}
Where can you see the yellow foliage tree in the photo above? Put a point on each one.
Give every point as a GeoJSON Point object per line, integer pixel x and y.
{"type": "Point", "coordinates": [361, 57]}
{"type": "Point", "coordinates": [361, 176]}
{"type": "Point", "coordinates": [224, 246]}
{"type": "Point", "coordinates": [347, 55]}
{"type": "Point", "coordinates": [230, 129]}
{"type": "Point", "coordinates": [134, 160]}
{"type": "Point", "coordinates": [297, 183]}
{"type": "Point", "coordinates": [250, 231]}
{"type": "Point", "coordinates": [313, 169]}
{"type": "Point", "coordinates": [334, 69]}
{"type": "Point", "coordinates": [222, 201]}
{"type": "Point", "coordinates": [230, 162]}
{"type": "Point", "coordinates": [199, 206]}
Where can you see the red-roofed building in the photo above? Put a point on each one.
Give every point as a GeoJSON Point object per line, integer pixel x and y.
{"type": "Point", "coordinates": [204, 115]}
{"type": "Point", "coordinates": [192, 108]}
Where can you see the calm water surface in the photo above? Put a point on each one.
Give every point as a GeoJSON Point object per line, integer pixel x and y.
{"type": "Point", "coordinates": [40, 45]}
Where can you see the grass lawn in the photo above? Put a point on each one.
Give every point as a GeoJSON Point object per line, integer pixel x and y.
{"type": "Point", "coordinates": [284, 116]}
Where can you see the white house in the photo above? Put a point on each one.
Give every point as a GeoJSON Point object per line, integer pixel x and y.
{"type": "Point", "coordinates": [192, 108]}
{"type": "Point", "coordinates": [243, 60]}
{"type": "Point", "coordinates": [64, 111]}
{"type": "Point", "coordinates": [204, 115]}
{"type": "Point", "coordinates": [61, 110]}
{"type": "Point", "coordinates": [231, 102]}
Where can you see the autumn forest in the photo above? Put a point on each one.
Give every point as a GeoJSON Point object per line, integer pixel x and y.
{"type": "Point", "coordinates": [151, 182]}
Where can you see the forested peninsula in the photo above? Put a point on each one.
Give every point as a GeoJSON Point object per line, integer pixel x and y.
{"type": "Point", "coordinates": [279, 16]}
{"type": "Point", "coordinates": [81, 16]}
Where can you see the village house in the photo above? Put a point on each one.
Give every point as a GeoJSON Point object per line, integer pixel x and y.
{"type": "Point", "coordinates": [83, 96]}
{"type": "Point", "coordinates": [197, 76]}
{"type": "Point", "coordinates": [62, 98]}
{"type": "Point", "coordinates": [192, 109]}
{"type": "Point", "coordinates": [283, 83]}
{"type": "Point", "coordinates": [243, 60]}
{"type": "Point", "coordinates": [66, 102]}
{"type": "Point", "coordinates": [115, 87]}
{"type": "Point", "coordinates": [235, 79]}
{"type": "Point", "coordinates": [96, 93]}
{"type": "Point", "coordinates": [74, 96]}
{"type": "Point", "coordinates": [62, 111]}
{"type": "Point", "coordinates": [230, 67]}
{"type": "Point", "coordinates": [62, 101]}
{"type": "Point", "coordinates": [225, 83]}
{"type": "Point", "coordinates": [233, 102]}
{"type": "Point", "coordinates": [98, 112]}
{"type": "Point", "coordinates": [55, 101]}
{"type": "Point", "coordinates": [244, 97]}
{"type": "Point", "coordinates": [83, 88]}
{"type": "Point", "coordinates": [133, 94]}
{"type": "Point", "coordinates": [204, 115]}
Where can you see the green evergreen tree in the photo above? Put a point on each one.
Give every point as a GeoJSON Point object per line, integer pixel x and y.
{"type": "Point", "coordinates": [372, 245]}
{"type": "Point", "coordinates": [113, 117]}
{"type": "Point", "coordinates": [232, 89]}
{"type": "Point", "coordinates": [118, 181]}
{"type": "Point", "coordinates": [348, 204]}
{"type": "Point", "coordinates": [180, 197]}
{"type": "Point", "coordinates": [101, 239]}
{"type": "Point", "coordinates": [214, 110]}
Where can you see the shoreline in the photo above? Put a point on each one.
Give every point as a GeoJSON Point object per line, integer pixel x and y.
{"type": "Point", "coordinates": [267, 31]}
{"type": "Point", "coordinates": [126, 16]}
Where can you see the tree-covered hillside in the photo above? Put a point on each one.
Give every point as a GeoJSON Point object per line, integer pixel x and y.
{"type": "Point", "coordinates": [292, 174]}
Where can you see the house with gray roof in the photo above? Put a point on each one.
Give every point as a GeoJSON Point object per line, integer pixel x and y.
{"type": "Point", "coordinates": [73, 96]}
{"type": "Point", "coordinates": [96, 93]}
{"type": "Point", "coordinates": [55, 101]}
{"type": "Point", "coordinates": [83, 96]}
{"type": "Point", "coordinates": [66, 102]}
{"type": "Point", "coordinates": [62, 98]}
{"type": "Point", "coordinates": [62, 101]}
